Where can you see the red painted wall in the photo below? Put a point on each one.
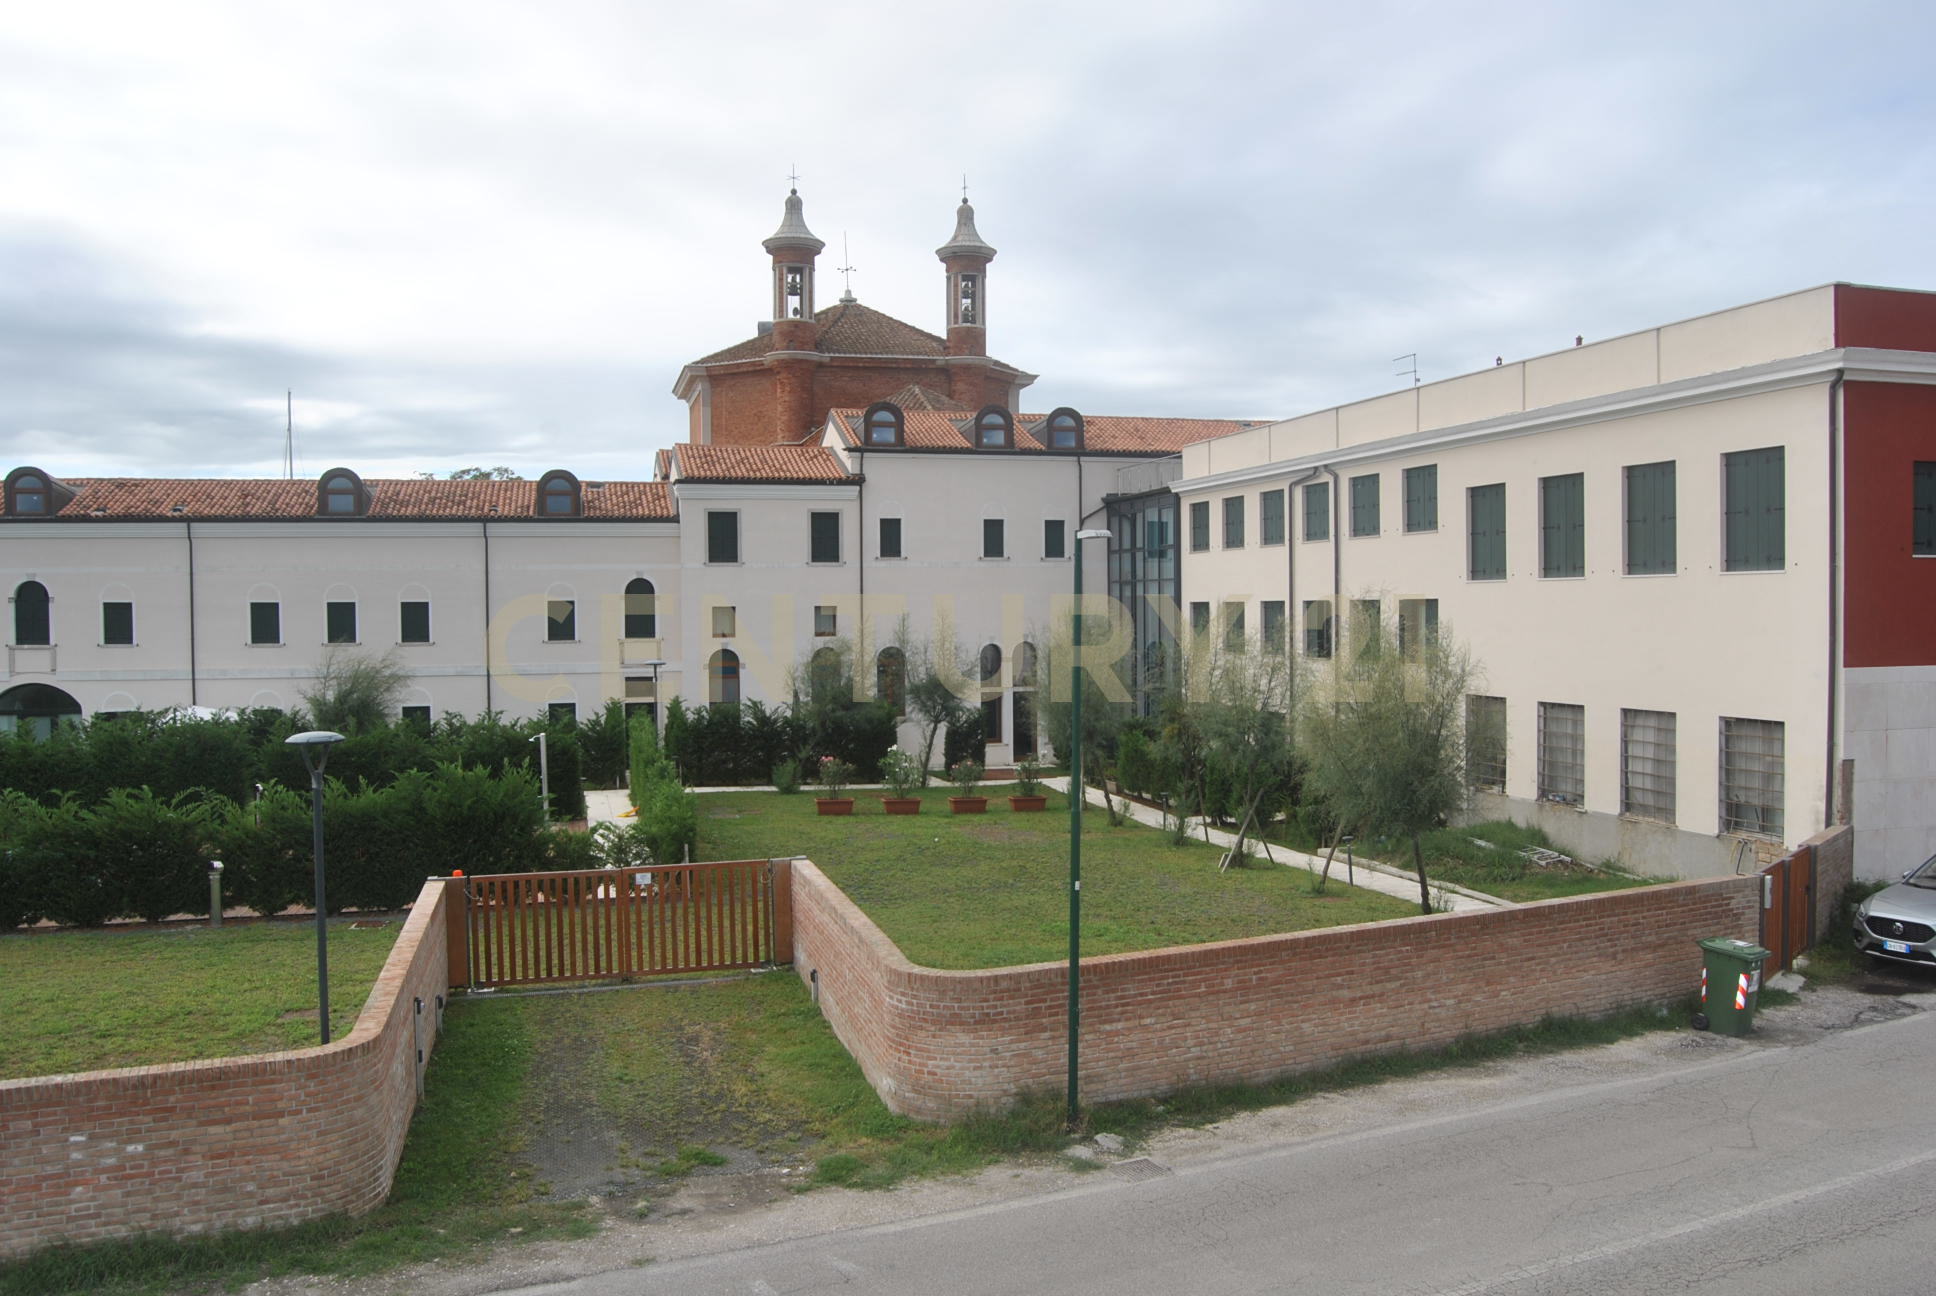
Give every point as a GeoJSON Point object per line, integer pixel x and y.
{"type": "Point", "coordinates": [1890, 596]}
{"type": "Point", "coordinates": [1885, 317]}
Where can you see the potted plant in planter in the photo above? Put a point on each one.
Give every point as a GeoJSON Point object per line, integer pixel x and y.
{"type": "Point", "coordinates": [1028, 787]}
{"type": "Point", "coordinates": [964, 776]}
{"type": "Point", "coordinates": [902, 774]}
{"type": "Point", "coordinates": [834, 773]}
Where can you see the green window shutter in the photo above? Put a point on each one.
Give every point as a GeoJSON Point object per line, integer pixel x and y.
{"type": "Point", "coordinates": [1317, 511]}
{"type": "Point", "coordinates": [413, 622]}
{"type": "Point", "coordinates": [1486, 532]}
{"type": "Point", "coordinates": [1755, 489]}
{"type": "Point", "coordinates": [1562, 525]}
{"type": "Point", "coordinates": [1422, 498]}
{"type": "Point", "coordinates": [1233, 522]}
{"type": "Point", "coordinates": [722, 537]}
{"type": "Point", "coordinates": [1364, 505]}
{"type": "Point", "coordinates": [1200, 525]}
{"type": "Point", "coordinates": [265, 623]}
{"type": "Point", "coordinates": [1270, 517]}
{"type": "Point", "coordinates": [1923, 535]}
{"type": "Point", "coordinates": [1651, 525]}
{"type": "Point", "coordinates": [824, 537]}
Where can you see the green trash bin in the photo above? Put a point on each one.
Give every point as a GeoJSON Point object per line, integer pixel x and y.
{"type": "Point", "coordinates": [1730, 985]}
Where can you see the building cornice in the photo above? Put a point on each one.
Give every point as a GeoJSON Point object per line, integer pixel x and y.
{"type": "Point", "coordinates": [762, 490]}
{"type": "Point", "coordinates": [1856, 364]}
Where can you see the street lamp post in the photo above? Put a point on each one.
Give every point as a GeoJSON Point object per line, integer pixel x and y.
{"type": "Point", "coordinates": [657, 729]}
{"type": "Point", "coordinates": [1076, 789]}
{"type": "Point", "coordinates": [544, 772]}
{"type": "Point", "coordinates": [314, 745]}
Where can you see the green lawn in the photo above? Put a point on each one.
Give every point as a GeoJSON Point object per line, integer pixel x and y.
{"type": "Point", "coordinates": [1453, 855]}
{"type": "Point", "coordinates": [976, 891]}
{"type": "Point", "coordinates": [79, 1001]}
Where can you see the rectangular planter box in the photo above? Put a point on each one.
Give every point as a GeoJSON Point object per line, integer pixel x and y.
{"type": "Point", "coordinates": [968, 805]}
{"type": "Point", "coordinates": [834, 805]}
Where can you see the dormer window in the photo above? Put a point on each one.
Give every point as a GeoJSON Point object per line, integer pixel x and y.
{"type": "Point", "coordinates": [29, 495]}
{"type": "Point", "coordinates": [1064, 430]}
{"type": "Point", "coordinates": [882, 424]}
{"type": "Point", "coordinates": [994, 428]}
{"type": "Point", "coordinates": [558, 495]}
{"type": "Point", "coordinates": [340, 493]}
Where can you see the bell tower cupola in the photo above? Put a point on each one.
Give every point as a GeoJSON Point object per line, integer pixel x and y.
{"type": "Point", "coordinates": [966, 258]}
{"type": "Point", "coordinates": [793, 248]}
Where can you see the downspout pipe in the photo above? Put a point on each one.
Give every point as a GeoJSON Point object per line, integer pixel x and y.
{"type": "Point", "coordinates": [1290, 553]}
{"type": "Point", "coordinates": [194, 691]}
{"type": "Point", "coordinates": [485, 531]}
{"type": "Point", "coordinates": [1337, 557]}
{"type": "Point", "coordinates": [1834, 588]}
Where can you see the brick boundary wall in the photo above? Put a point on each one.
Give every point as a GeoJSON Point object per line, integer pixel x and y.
{"type": "Point", "coordinates": [1834, 871]}
{"type": "Point", "coordinates": [938, 1044]}
{"type": "Point", "coordinates": [241, 1142]}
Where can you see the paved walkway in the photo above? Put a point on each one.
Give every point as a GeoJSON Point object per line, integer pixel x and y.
{"type": "Point", "coordinates": [609, 805]}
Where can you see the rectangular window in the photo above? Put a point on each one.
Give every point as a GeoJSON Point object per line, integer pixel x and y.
{"type": "Point", "coordinates": [416, 715]}
{"type": "Point", "coordinates": [1270, 517]}
{"type": "Point", "coordinates": [1200, 618]}
{"type": "Point", "coordinates": [565, 713]}
{"type": "Point", "coordinates": [1562, 525]}
{"type": "Point", "coordinates": [1317, 511]}
{"type": "Point", "coordinates": [1650, 519]}
{"type": "Point", "coordinates": [1364, 505]}
{"type": "Point", "coordinates": [339, 623]}
{"type": "Point", "coordinates": [724, 619]}
{"type": "Point", "coordinates": [1274, 624]}
{"type": "Point", "coordinates": [823, 620]}
{"type": "Point", "coordinates": [265, 623]}
{"type": "Point", "coordinates": [722, 537]}
{"type": "Point", "coordinates": [413, 622]}
{"type": "Point", "coordinates": [1317, 628]}
{"type": "Point", "coordinates": [1923, 524]}
{"type": "Point", "coordinates": [993, 543]}
{"type": "Point", "coordinates": [823, 531]}
{"type": "Point", "coordinates": [991, 718]}
{"type": "Point", "coordinates": [1751, 777]}
{"type": "Point", "coordinates": [1422, 498]}
{"type": "Point", "coordinates": [1055, 538]}
{"type": "Point", "coordinates": [1367, 626]}
{"type": "Point", "coordinates": [1233, 522]}
{"type": "Point", "coordinates": [1647, 764]}
{"type": "Point", "coordinates": [1485, 510]}
{"type": "Point", "coordinates": [1418, 625]}
{"type": "Point", "coordinates": [1199, 525]}
{"type": "Point", "coordinates": [117, 623]}
{"type": "Point", "coordinates": [1753, 493]}
{"type": "Point", "coordinates": [1233, 627]}
{"type": "Point", "coordinates": [1485, 742]}
{"type": "Point", "coordinates": [561, 624]}
{"type": "Point", "coordinates": [891, 538]}
{"type": "Point", "coordinates": [1562, 752]}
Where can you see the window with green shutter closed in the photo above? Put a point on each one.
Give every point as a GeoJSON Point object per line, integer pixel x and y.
{"type": "Point", "coordinates": [1317, 511]}
{"type": "Point", "coordinates": [1486, 532]}
{"type": "Point", "coordinates": [1422, 498]}
{"type": "Point", "coordinates": [1651, 549]}
{"type": "Point", "coordinates": [1562, 525]}
{"type": "Point", "coordinates": [1364, 505]}
{"type": "Point", "coordinates": [1923, 534]}
{"type": "Point", "coordinates": [1199, 525]}
{"type": "Point", "coordinates": [1754, 486]}
{"type": "Point", "coordinates": [1270, 517]}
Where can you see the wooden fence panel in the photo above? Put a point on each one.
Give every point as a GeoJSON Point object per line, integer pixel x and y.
{"type": "Point", "coordinates": [606, 924]}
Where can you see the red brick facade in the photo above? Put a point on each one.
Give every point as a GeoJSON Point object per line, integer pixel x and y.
{"type": "Point", "coordinates": [233, 1142]}
{"type": "Point", "coordinates": [937, 1044]}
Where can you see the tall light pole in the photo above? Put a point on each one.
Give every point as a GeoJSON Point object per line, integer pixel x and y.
{"type": "Point", "coordinates": [314, 744]}
{"type": "Point", "coordinates": [657, 710]}
{"type": "Point", "coordinates": [544, 772]}
{"type": "Point", "coordinates": [1076, 788]}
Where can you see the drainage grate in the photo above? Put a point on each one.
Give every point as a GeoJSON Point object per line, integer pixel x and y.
{"type": "Point", "coordinates": [1139, 1168]}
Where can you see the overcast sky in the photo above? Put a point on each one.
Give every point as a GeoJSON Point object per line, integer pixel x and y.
{"type": "Point", "coordinates": [482, 233]}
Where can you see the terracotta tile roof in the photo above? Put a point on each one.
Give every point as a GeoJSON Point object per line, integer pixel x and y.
{"type": "Point", "coordinates": [916, 397]}
{"type": "Point", "coordinates": [810, 464]}
{"type": "Point", "coordinates": [850, 328]}
{"type": "Point", "coordinates": [152, 498]}
{"type": "Point", "coordinates": [926, 429]}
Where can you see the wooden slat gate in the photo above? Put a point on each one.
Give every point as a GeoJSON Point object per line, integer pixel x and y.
{"type": "Point", "coordinates": [1788, 907]}
{"type": "Point", "coordinates": [606, 924]}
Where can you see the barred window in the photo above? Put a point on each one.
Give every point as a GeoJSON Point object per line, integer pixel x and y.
{"type": "Point", "coordinates": [1485, 742]}
{"type": "Point", "coordinates": [1751, 776]}
{"type": "Point", "coordinates": [1647, 764]}
{"type": "Point", "coordinates": [1233, 627]}
{"type": "Point", "coordinates": [1418, 625]}
{"type": "Point", "coordinates": [1562, 752]}
{"type": "Point", "coordinates": [1366, 626]}
{"type": "Point", "coordinates": [1274, 623]}
{"type": "Point", "coordinates": [1317, 628]}
{"type": "Point", "coordinates": [1200, 618]}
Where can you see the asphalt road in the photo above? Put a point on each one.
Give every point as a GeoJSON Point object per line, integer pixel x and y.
{"type": "Point", "coordinates": [1768, 1171]}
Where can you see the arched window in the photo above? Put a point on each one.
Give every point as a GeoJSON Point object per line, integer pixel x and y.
{"type": "Point", "coordinates": [883, 424]}
{"type": "Point", "coordinates": [824, 676]}
{"type": "Point", "coordinates": [1025, 665]}
{"type": "Point", "coordinates": [339, 493]}
{"type": "Point", "coordinates": [890, 678]}
{"type": "Point", "coordinates": [722, 676]}
{"type": "Point", "coordinates": [558, 495]}
{"type": "Point", "coordinates": [29, 495]}
{"type": "Point", "coordinates": [1064, 429]}
{"type": "Point", "coordinates": [32, 620]}
{"type": "Point", "coordinates": [994, 428]}
{"type": "Point", "coordinates": [36, 708]}
{"type": "Point", "coordinates": [991, 663]}
{"type": "Point", "coordinates": [641, 610]}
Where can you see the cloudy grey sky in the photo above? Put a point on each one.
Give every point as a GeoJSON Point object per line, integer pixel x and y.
{"type": "Point", "coordinates": [482, 233]}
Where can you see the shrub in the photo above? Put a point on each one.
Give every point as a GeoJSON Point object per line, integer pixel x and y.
{"type": "Point", "coordinates": [150, 855]}
{"type": "Point", "coordinates": [604, 741]}
{"type": "Point", "coordinates": [965, 739]}
{"type": "Point", "coordinates": [669, 822]}
{"type": "Point", "coordinates": [265, 849]}
{"type": "Point", "coordinates": [786, 777]}
{"type": "Point", "coordinates": [649, 764]}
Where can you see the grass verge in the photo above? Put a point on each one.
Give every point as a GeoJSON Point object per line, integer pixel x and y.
{"type": "Point", "coordinates": [1456, 855]}
{"type": "Point", "coordinates": [978, 891]}
{"type": "Point", "coordinates": [86, 1000]}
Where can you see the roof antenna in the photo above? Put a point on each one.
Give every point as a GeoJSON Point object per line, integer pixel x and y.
{"type": "Point", "coordinates": [964, 186]}
{"type": "Point", "coordinates": [289, 435]}
{"type": "Point", "coordinates": [1413, 371]}
{"type": "Point", "coordinates": [793, 178]}
{"type": "Point", "coordinates": [846, 271]}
